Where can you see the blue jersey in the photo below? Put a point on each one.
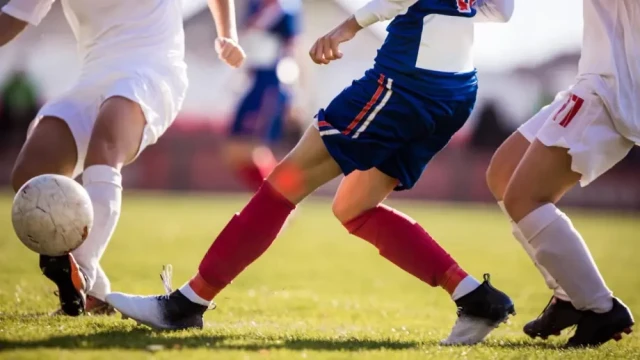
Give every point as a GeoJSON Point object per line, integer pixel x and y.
{"type": "Point", "coordinates": [428, 48]}
{"type": "Point", "coordinates": [269, 27]}
{"type": "Point", "coordinates": [278, 17]}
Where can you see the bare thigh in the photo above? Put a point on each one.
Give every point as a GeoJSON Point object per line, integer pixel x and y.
{"type": "Point", "coordinates": [307, 167]}
{"type": "Point", "coordinates": [49, 149]}
{"type": "Point", "coordinates": [543, 176]}
{"type": "Point", "coordinates": [117, 133]}
{"type": "Point", "coordinates": [504, 162]}
{"type": "Point", "coordinates": [361, 191]}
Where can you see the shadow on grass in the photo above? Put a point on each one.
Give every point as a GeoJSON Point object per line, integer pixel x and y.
{"type": "Point", "coordinates": [522, 345]}
{"type": "Point", "coordinates": [145, 339]}
{"type": "Point", "coordinates": [142, 338]}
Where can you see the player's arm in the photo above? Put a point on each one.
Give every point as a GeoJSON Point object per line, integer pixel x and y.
{"type": "Point", "coordinates": [494, 10]}
{"type": "Point", "coordinates": [227, 47]}
{"type": "Point", "coordinates": [326, 48]}
{"type": "Point", "coordinates": [10, 27]}
{"type": "Point", "coordinates": [17, 14]}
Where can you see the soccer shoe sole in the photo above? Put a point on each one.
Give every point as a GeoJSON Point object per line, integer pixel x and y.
{"type": "Point", "coordinates": [511, 311]}
{"type": "Point", "coordinates": [616, 335]}
{"type": "Point", "coordinates": [65, 273]}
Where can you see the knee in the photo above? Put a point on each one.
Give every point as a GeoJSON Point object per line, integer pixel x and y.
{"type": "Point", "coordinates": [345, 210]}
{"type": "Point", "coordinates": [520, 203]}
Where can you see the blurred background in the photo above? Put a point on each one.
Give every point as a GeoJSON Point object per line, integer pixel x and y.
{"type": "Point", "coordinates": [521, 66]}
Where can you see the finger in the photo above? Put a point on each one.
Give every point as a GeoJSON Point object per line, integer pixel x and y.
{"type": "Point", "coordinates": [319, 55]}
{"type": "Point", "coordinates": [328, 54]}
{"type": "Point", "coordinates": [236, 59]}
{"type": "Point", "coordinates": [314, 51]}
{"type": "Point", "coordinates": [228, 49]}
{"type": "Point", "coordinates": [337, 54]}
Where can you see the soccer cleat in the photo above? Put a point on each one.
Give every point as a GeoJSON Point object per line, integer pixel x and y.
{"type": "Point", "coordinates": [166, 312]}
{"type": "Point", "coordinates": [65, 273]}
{"type": "Point", "coordinates": [95, 306]}
{"type": "Point", "coordinates": [596, 329]}
{"type": "Point", "coordinates": [479, 313]}
{"type": "Point", "coordinates": [556, 316]}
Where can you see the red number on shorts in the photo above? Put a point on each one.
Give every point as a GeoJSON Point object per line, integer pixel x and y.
{"type": "Point", "coordinates": [569, 110]}
{"type": "Point", "coordinates": [465, 6]}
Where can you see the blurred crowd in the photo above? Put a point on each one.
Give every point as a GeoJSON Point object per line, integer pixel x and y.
{"type": "Point", "coordinates": [19, 104]}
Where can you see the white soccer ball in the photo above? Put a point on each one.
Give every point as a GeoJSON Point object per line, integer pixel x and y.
{"type": "Point", "coordinates": [52, 214]}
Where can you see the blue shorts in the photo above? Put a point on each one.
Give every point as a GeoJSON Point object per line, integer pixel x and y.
{"type": "Point", "coordinates": [378, 123]}
{"type": "Point", "coordinates": [261, 113]}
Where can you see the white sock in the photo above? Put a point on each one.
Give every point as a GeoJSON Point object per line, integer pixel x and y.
{"type": "Point", "coordinates": [560, 249]}
{"type": "Point", "coordinates": [548, 279]}
{"type": "Point", "coordinates": [188, 292]}
{"type": "Point", "coordinates": [104, 185]}
{"type": "Point", "coordinates": [102, 286]}
{"type": "Point", "coordinates": [467, 285]}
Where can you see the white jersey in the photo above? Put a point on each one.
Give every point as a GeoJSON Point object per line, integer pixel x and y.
{"type": "Point", "coordinates": [611, 59]}
{"type": "Point", "coordinates": [129, 48]}
{"type": "Point", "coordinates": [116, 33]}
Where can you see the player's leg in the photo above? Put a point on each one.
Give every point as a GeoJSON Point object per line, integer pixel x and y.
{"type": "Point", "coordinates": [321, 155]}
{"type": "Point", "coordinates": [400, 239]}
{"type": "Point", "coordinates": [115, 141]}
{"type": "Point", "coordinates": [49, 149]}
{"type": "Point", "coordinates": [244, 152]}
{"type": "Point", "coordinates": [559, 314]}
{"type": "Point", "coordinates": [243, 240]}
{"type": "Point", "coordinates": [545, 173]}
{"type": "Point", "coordinates": [250, 161]}
{"type": "Point", "coordinates": [401, 138]}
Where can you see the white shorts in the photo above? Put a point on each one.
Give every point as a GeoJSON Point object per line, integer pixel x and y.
{"type": "Point", "coordinates": [159, 93]}
{"type": "Point", "coordinates": [578, 120]}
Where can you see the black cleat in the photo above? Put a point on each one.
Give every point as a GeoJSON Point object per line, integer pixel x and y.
{"type": "Point", "coordinates": [65, 273]}
{"type": "Point", "coordinates": [556, 316]}
{"type": "Point", "coordinates": [167, 312]}
{"type": "Point", "coordinates": [479, 312]}
{"type": "Point", "coordinates": [596, 329]}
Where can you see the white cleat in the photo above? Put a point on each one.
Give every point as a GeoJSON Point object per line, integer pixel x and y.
{"type": "Point", "coordinates": [468, 331]}
{"type": "Point", "coordinates": [479, 313]}
{"type": "Point", "coordinates": [165, 312]}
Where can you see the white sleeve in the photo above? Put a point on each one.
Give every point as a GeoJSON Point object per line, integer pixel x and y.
{"type": "Point", "coordinates": [381, 10]}
{"type": "Point", "coordinates": [31, 11]}
{"type": "Point", "coordinates": [494, 10]}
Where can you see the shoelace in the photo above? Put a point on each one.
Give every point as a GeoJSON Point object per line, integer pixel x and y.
{"type": "Point", "coordinates": [546, 307]}
{"type": "Point", "coordinates": [571, 329]}
{"type": "Point", "coordinates": [167, 277]}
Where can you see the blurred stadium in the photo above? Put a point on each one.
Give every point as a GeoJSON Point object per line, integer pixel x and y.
{"type": "Point", "coordinates": [308, 298]}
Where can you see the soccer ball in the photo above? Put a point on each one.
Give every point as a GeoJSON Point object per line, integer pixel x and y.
{"type": "Point", "coordinates": [52, 214]}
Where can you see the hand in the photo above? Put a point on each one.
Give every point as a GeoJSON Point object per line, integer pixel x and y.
{"type": "Point", "coordinates": [325, 49]}
{"type": "Point", "coordinates": [230, 52]}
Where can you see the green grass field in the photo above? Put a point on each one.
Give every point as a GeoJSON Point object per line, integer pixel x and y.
{"type": "Point", "coordinates": [318, 293]}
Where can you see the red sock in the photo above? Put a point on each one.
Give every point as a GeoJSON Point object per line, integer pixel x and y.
{"type": "Point", "coordinates": [247, 236]}
{"type": "Point", "coordinates": [405, 243]}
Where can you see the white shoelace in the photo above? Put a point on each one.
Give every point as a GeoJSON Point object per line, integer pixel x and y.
{"type": "Point", "coordinates": [167, 276]}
